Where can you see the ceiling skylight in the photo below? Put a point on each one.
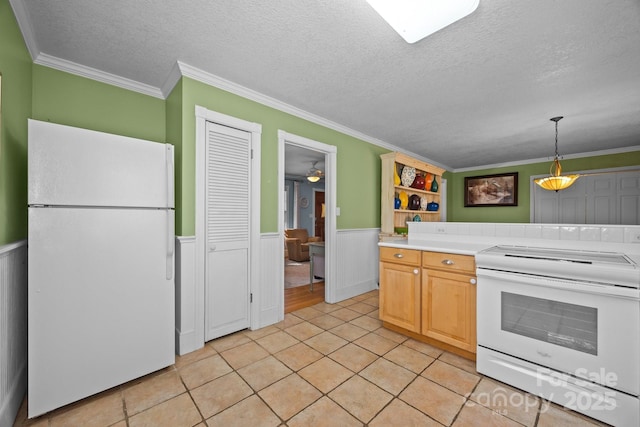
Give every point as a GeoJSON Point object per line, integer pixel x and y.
{"type": "Point", "coordinates": [416, 19]}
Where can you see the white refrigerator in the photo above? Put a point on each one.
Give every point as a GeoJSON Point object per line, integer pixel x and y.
{"type": "Point", "coordinates": [101, 239]}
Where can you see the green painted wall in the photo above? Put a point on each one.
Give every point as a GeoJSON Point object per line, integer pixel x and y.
{"type": "Point", "coordinates": [174, 136]}
{"type": "Point", "coordinates": [358, 168]}
{"type": "Point", "coordinates": [15, 68]}
{"type": "Point", "coordinates": [455, 187]}
{"type": "Point", "coordinates": [68, 99]}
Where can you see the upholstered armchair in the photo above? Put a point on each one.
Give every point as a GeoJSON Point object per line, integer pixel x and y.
{"type": "Point", "coordinates": [297, 240]}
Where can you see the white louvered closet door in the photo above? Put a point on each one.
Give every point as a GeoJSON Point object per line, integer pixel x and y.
{"type": "Point", "coordinates": [228, 213]}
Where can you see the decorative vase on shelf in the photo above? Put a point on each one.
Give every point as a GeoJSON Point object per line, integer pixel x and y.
{"type": "Point", "coordinates": [433, 206]}
{"type": "Point", "coordinates": [418, 182]}
{"type": "Point", "coordinates": [434, 185]}
{"type": "Point", "coordinates": [404, 200]}
{"type": "Point", "coordinates": [414, 202]}
{"type": "Point", "coordinates": [428, 182]}
{"type": "Point", "coordinates": [396, 203]}
{"type": "Point", "coordinates": [417, 218]}
{"type": "Point", "coordinates": [396, 177]}
{"type": "Point", "coordinates": [423, 203]}
{"type": "Point", "coordinates": [408, 175]}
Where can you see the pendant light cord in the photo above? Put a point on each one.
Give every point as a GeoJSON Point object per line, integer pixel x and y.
{"type": "Point", "coordinates": [557, 140]}
{"type": "Point", "coordinates": [556, 120]}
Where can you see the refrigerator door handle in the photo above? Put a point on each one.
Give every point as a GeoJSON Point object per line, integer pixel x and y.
{"type": "Point", "coordinates": [170, 177]}
{"type": "Point", "coordinates": [170, 213]}
{"type": "Point", "coordinates": [170, 244]}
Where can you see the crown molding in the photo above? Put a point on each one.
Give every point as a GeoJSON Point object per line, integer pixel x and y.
{"type": "Point", "coordinates": [98, 75]}
{"type": "Point", "coordinates": [181, 69]}
{"type": "Point", "coordinates": [172, 80]}
{"type": "Point", "coordinates": [547, 159]}
{"type": "Point", "coordinates": [24, 23]}
{"type": "Point", "coordinates": [194, 73]}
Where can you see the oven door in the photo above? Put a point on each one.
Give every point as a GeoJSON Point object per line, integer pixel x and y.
{"type": "Point", "coordinates": [587, 330]}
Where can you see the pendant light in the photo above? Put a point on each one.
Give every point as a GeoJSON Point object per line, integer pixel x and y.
{"type": "Point", "coordinates": [314, 173]}
{"type": "Point", "coordinates": [556, 181]}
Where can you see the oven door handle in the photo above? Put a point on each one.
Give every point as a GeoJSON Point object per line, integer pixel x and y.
{"type": "Point", "coordinates": [486, 276]}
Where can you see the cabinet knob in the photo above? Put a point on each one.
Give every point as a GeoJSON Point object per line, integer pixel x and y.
{"type": "Point", "coordinates": [447, 262]}
{"type": "Point", "coordinates": [398, 255]}
{"type": "Point", "coordinates": [473, 281]}
{"type": "Point", "coordinates": [416, 271]}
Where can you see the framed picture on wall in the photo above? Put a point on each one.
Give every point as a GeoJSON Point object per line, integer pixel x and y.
{"type": "Point", "coordinates": [491, 190]}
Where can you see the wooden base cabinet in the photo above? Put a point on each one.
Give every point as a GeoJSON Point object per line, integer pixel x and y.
{"type": "Point", "coordinates": [449, 299]}
{"type": "Point", "coordinates": [449, 308]}
{"type": "Point", "coordinates": [430, 296]}
{"type": "Point", "coordinates": [400, 288]}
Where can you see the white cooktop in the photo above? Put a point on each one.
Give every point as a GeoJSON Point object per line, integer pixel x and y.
{"type": "Point", "coordinates": [611, 268]}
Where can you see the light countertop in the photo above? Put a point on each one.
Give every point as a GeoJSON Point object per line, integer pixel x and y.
{"type": "Point", "coordinates": [447, 246]}
{"type": "Point", "coordinates": [471, 245]}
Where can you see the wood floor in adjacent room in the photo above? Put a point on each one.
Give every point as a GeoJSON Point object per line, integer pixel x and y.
{"type": "Point", "coordinates": [301, 297]}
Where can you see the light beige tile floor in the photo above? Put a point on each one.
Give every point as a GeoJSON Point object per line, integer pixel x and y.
{"type": "Point", "coordinates": [326, 365]}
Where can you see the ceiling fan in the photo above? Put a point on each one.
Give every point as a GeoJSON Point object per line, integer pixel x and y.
{"type": "Point", "coordinates": [314, 174]}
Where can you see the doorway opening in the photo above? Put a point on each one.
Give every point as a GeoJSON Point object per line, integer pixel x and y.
{"type": "Point", "coordinates": [305, 223]}
{"type": "Point", "coordinates": [303, 228]}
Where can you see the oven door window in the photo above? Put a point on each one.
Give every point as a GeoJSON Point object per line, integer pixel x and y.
{"type": "Point", "coordinates": [567, 325]}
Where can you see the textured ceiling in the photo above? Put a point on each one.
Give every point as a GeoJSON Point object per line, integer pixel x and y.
{"type": "Point", "coordinates": [476, 93]}
{"type": "Point", "coordinates": [299, 160]}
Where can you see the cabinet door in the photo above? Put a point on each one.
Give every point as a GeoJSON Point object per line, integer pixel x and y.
{"type": "Point", "coordinates": [449, 308]}
{"type": "Point", "coordinates": [400, 295]}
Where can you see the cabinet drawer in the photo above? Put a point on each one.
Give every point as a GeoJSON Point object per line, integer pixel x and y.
{"type": "Point", "coordinates": [449, 262]}
{"type": "Point", "coordinates": [400, 256]}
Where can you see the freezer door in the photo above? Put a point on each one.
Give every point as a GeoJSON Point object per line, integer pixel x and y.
{"type": "Point", "coordinates": [77, 167]}
{"type": "Point", "coordinates": [101, 309]}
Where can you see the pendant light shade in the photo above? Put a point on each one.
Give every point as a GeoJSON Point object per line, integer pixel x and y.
{"type": "Point", "coordinates": [314, 174]}
{"type": "Point", "coordinates": [556, 181]}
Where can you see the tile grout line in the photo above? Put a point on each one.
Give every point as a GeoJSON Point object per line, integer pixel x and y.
{"type": "Point", "coordinates": [202, 418]}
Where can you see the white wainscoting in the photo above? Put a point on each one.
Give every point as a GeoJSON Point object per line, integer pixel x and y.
{"type": "Point", "coordinates": [13, 329]}
{"type": "Point", "coordinates": [269, 295]}
{"type": "Point", "coordinates": [189, 302]}
{"type": "Point", "coordinates": [356, 273]}
{"type": "Point", "coordinates": [357, 266]}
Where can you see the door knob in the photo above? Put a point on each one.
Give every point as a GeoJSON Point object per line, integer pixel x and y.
{"type": "Point", "coordinates": [416, 271]}
{"type": "Point", "coordinates": [472, 281]}
{"type": "Point", "coordinates": [447, 262]}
